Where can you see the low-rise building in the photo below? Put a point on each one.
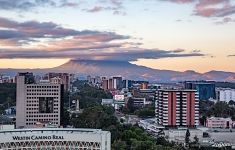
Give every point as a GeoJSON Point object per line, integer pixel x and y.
{"type": "Point", "coordinates": [216, 122]}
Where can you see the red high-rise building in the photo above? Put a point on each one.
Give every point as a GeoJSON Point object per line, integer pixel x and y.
{"type": "Point", "coordinates": [175, 108]}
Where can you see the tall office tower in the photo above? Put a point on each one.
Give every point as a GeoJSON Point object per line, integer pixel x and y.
{"type": "Point", "coordinates": [105, 84]}
{"type": "Point", "coordinates": [110, 84]}
{"type": "Point", "coordinates": [89, 79]}
{"type": "Point", "coordinates": [125, 83]}
{"type": "Point", "coordinates": [37, 102]}
{"type": "Point", "coordinates": [175, 108]}
{"type": "Point", "coordinates": [205, 89]}
{"type": "Point", "coordinates": [117, 83]}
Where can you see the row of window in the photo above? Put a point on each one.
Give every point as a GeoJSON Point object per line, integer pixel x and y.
{"type": "Point", "coordinates": [36, 101]}
{"type": "Point", "coordinates": [39, 97]}
{"type": "Point", "coordinates": [34, 123]}
{"type": "Point", "coordinates": [42, 94]}
{"type": "Point", "coordinates": [36, 86]}
{"type": "Point", "coordinates": [42, 119]}
{"type": "Point", "coordinates": [36, 112]}
{"type": "Point", "coordinates": [42, 115]}
{"type": "Point", "coordinates": [43, 90]}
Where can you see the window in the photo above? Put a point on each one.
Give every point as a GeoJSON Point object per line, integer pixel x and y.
{"type": "Point", "coordinates": [46, 104]}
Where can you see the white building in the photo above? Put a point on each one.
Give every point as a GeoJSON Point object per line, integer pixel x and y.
{"type": "Point", "coordinates": [39, 102]}
{"type": "Point", "coordinates": [225, 94]}
{"type": "Point", "coordinates": [55, 138]}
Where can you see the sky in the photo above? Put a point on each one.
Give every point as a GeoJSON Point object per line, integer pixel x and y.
{"type": "Point", "coordinates": [162, 34]}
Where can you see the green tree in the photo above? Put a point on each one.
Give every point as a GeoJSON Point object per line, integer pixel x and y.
{"type": "Point", "coordinates": [187, 137]}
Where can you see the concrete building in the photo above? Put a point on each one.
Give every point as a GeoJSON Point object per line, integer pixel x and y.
{"type": "Point", "coordinates": [105, 84]}
{"type": "Point", "coordinates": [110, 86]}
{"type": "Point", "coordinates": [37, 102]}
{"type": "Point", "coordinates": [55, 138]}
{"type": "Point", "coordinates": [66, 79]}
{"type": "Point", "coordinates": [225, 94]}
{"type": "Point", "coordinates": [144, 85]}
{"type": "Point", "coordinates": [137, 102]}
{"type": "Point", "coordinates": [217, 122]}
{"type": "Point", "coordinates": [109, 102]}
{"type": "Point", "coordinates": [56, 80]}
{"type": "Point", "coordinates": [7, 79]}
{"type": "Point", "coordinates": [176, 108]}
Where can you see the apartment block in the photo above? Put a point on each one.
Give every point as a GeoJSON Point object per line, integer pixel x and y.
{"type": "Point", "coordinates": [177, 108]}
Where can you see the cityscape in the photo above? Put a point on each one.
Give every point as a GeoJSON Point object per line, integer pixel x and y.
{"type": "Point", "coordinates": [117, 74]}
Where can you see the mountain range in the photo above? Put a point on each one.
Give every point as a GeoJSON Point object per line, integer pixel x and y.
{"type": "Point", "coordinates": [127, 70]}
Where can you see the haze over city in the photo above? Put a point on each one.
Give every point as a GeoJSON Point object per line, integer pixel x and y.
{"type": "Point", "coordinates": [162, 34]}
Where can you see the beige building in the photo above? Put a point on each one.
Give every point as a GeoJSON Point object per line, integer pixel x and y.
{"type": "Point", "coordinates": [39, 102]}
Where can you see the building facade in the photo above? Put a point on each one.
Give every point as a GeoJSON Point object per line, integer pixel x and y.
{"type": "Point", "coordinates": [37, 102]}
{"type": "Point", "coordinates": [55, 138]}
{"type": "Point", "coordinates": [65, 79]}
{"type": "Point", "coordinates": [216, 122]}
{"type": "Point", "coordinates": [225, 94]}
{"type": "Point", "coordinates": [176, 108]}
{"type": "Point", "coordinates": [206, 90]}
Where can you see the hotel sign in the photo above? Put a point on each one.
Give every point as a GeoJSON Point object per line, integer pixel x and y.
{"type": "Point", "coordinates": [34, 137]}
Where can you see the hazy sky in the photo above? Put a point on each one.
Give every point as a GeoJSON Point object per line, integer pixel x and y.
{"type": "Point", "coordinates": [164, 34]}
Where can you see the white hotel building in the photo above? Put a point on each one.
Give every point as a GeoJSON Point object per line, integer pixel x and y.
{"type": "Point", "coordinates": [55, 138]}
{"type": "Point", "coordinates": [39, 102]}
{"type": "Point", "coordinates": [225, 94]}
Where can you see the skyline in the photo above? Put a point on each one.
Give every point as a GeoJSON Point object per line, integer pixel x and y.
{"type": "Point", "coordinates": [194, 34]}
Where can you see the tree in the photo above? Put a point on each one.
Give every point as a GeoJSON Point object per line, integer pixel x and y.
{"type": "Point", "coordinates": [202, 120]}
{"type": "Point", "coordinates": [231, 102]}
{"type": "Point", "coordinates": [196, 139]}
{"type": "Point", "coordinates": [187, 137]}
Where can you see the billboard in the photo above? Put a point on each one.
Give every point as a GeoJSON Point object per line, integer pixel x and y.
{"type": "Point", "coordinates": [119, 97]}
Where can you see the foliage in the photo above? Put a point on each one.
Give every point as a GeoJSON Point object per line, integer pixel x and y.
{"type": "Point", "coordinates": [219, 109]}
{"type": "Point", "coordinates": [124, 136]}
{"type": "Point", "coordinates": [88, 96]}
{"type": "Point", "coordinates": [65, 118]}
{"type": "Point", "coordinates": [8, 93]}
{"type": "Point", "coordinates": [145, 112]}
{"type": "Point", "coordinates": [196, 139]}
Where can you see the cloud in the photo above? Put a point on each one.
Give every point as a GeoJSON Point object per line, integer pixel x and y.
{"type": "Point", "coordinates": [128, 54]}
{"type": "Point", "coordinates": [115, 6]}
{"type": "Point", "coordinates": [34, 39]}
{"type": "Point", "coordinates": [95, 9]}
{"type": "Point", "coordinates": [214, 8]}
{"type": "Point", "coordinates": [182, 1]}
{"type": "Point", "coordinates": [225, 21]}
{"type": "Point", "coordinates": [210, 8]}
{"type": "Point", "coordinates": [25, 5]}
{"type": "Point", "coordinates": [32, 30]}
